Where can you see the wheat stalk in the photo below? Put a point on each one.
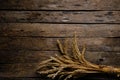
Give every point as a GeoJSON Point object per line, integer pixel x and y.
{"type": "Point", "coordinates": [67, 66]}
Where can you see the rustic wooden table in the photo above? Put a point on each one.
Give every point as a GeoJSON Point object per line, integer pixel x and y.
{"type": "Point", "coordinates": [29, 30]}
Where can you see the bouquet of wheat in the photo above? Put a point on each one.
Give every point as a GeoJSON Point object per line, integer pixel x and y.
{"type": "Point", "coordinates": [67, 66]}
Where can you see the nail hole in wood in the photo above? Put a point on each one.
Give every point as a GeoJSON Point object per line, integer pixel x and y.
{"type": "Point", "coordinates": [101, 59]}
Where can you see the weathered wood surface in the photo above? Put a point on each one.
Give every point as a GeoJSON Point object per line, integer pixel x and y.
{"type": "Point", "coordinates": [29, 69]}
{"type": "Point", "coordinates": [59, 30]}
{"type": "Point", "coordinates": [38, 43]}
{"type": "Point", "coordinates": [60, 16]}
{"type": "Point", "coordinates": [94, 77]}
{"type": "Point", "coordinates": [60, 4]}
{"type": "Point", "coordinates": [24, 78]}
{"type": "Point", "coordinates": [29, 30]}
{"type": "Point", "coordinates": [20, 79]}
{"type": "Point", "coordinates": [19, 70]}
{"type": "Point", "coordinates": [25, 56]}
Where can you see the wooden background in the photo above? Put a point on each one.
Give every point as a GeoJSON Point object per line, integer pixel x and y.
{"type": "Point", "coordinates": [29, 30]}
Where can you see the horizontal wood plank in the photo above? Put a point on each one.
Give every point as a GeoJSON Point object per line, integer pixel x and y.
{"type": "Point", "coordinates": [24, 78]}
{"type": "Point", "coordinates": [60, 16]}
{"type": "Point", "coordinates": [88, 77]}
{"type": "Point", "coordinates": [23, 56]}
{"type": "Point", "coordinates": [38, 43]}
{"type": "Point", "coordinates": [60, 4]}
{"type": "Point", "coordinates": [59, 30]}
{"type": "Point", "coordinates": [13, 78]}
{"type": "Point", "coordinates": [19, 70]}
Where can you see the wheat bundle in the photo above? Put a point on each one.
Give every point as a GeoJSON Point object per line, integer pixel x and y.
{"type": "Point", "coordinates": [67, 66]}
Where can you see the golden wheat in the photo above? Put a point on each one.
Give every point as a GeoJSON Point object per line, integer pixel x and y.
{"type": "Point", "coordinates": [67, 66]}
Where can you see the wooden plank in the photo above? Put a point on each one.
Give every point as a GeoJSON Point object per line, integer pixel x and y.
{"type": "Point", "coordinates": [90, 77]}
{"type": "Point", "coordinates": [38, 43]}
{"type": "Point", "coordinates": [61, 16]}
{"type": "Point", "coordinates": [59, 30]}
{"type": "Point", "coordinates": [23, 78]}
{"type": "Point", "coordinates": [29, 70]}
{"type": "Point", "coordinates": [60, 4]}
{"type": "Point", "coordinates": [24, 56]}
{"type": "Point", "coordinates": [18, 70]}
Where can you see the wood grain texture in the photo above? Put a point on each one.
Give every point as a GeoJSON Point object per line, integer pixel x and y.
{"type": "Point", "coordinates": [38, 43]}
{"type": "Point", "coordinates": [20, 79]}
{"type": "Point", "coordinates": [18, 70]}
{"type": "Point", "coordinates": [24, 78]}
{"type": "Point", "coordinates": [60, 16]}
{"type": "Point", "coordinates": [94, 77]}
{"type": "Point", "coordinates": [29, 30]}
{"type": "Point", "coordinates": [26, 69]}
{"type": "Point", "coordinates": [59, 30]}
{"type": "Point", "coordinates": [25, 56]}
{"type": "Point", "coordinates": [60, 4]}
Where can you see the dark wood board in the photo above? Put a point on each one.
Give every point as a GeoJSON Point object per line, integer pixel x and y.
{"type": "Point", "coordinates": [23, 78]}
{"type": "Point", "coordinates": [60, 4]}
{"type": "Point", "coordinates": [26, 71]}
{"type": "Point", "coordinates": [25, 56]}
{"type": "Point", "coordinates": [60, 16]}
{"type": "Point", "coordinates": [19, 70]}
{"type": "Point", "coordinates": [59, 30]}
{"type": "Point", "coordinates": [91, 77]}
{"type": "Point", "coordinates": [38, 43]}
